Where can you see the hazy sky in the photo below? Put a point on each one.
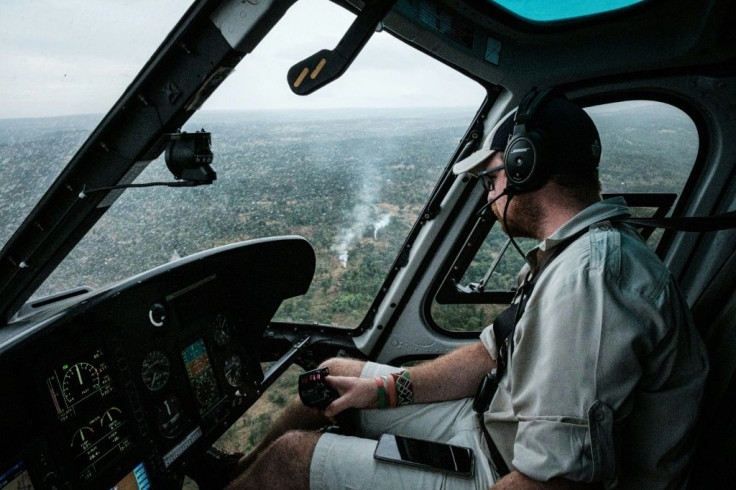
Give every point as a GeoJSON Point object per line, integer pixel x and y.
{"type": "Point", "coordinates": [69, 57]}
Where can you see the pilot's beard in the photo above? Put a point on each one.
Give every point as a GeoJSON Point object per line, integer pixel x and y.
{"type": "Point", "coordinates": [523, 217]}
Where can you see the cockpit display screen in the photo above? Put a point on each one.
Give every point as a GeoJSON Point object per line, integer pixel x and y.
{"type": "Point", "coordinates": [201, 375]}
{"type": "Point", "coordinates": [15, 478]}
{"type": "Point", "coordinates": [137, 479]}
{"type": "Point", "coordinates": [94, 425]}
{"type": "Point", "coordinates": [73, 385]}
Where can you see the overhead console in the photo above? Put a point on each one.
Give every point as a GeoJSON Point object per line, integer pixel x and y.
{"type": "Point", "coordinates": [118, 385]}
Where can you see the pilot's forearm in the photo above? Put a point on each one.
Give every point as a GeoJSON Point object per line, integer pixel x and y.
{"type": "Point", "coordinates": [448, 377]}
{"type": "Point", "coordinates": [451, 376]}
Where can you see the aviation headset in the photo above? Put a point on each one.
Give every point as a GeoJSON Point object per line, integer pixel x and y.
{"type": "Point", "coordinates": [528, 158]}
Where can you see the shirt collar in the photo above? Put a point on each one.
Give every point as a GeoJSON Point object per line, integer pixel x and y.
{"type": "Point", "coordinates": [600, 211]}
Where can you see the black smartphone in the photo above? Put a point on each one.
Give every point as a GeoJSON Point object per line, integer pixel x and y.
{"type": "Point", "coordinates": [430, 455]}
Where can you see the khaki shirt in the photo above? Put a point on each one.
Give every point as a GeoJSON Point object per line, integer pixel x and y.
{"type": "Point", "coordinates": [607, 370]}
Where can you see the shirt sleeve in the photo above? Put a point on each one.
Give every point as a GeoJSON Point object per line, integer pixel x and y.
{"type": "Point", "coordinates": [489, 341]}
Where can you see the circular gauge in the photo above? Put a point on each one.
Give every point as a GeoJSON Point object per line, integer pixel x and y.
{"type": "Point", "coordinates": [79, 381]}
{"type": "Point", "coordinates": [155, 370]}
{"type": "Point", "coordinates": [112, 419]}
{"type": "Point", "coordinates": [233, 370]}
{"type": "Point", "coordinates": [205, 389]}
{"type": "Point", "coordinates": [82, 439]}
{"type": "Point", "coordinates": [169, 416]}
{"type": "Point", "coordinates": [222, 330]}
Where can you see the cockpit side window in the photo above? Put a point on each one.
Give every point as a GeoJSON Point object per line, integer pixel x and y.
{"type": "Point", "coordinates": [649, 149]}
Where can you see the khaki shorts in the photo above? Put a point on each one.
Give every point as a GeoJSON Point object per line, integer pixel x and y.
{"type": "Point", "coordinates": [347, 461]}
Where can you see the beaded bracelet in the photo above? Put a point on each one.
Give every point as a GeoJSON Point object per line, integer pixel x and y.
{"type": "Point", "coordinates": [404, 388]}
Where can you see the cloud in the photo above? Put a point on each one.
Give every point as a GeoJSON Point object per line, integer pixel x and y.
{"type": "Point", "coordinates": [78, 57]}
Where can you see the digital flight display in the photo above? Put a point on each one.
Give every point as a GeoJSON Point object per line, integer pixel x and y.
{"type": "Point", "coordinates": [71, 384]}
{"type": "Point", "coordinates": [137, 479]}
{"type": "Point", "coordinates": [201, 375]}
{"type": "Point", "coordinates": [15, 478]}
{"type": "Point", "coordinates": [87, 405]}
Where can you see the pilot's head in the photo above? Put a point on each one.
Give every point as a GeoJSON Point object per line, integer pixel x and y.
{"type": "Point", "coordinates": [546, 139]}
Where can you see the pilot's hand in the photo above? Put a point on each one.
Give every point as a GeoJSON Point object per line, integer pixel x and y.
{"type": "Point", "coordinates": [354, 393]}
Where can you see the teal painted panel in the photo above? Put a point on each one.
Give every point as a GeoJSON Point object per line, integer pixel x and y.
{"type": "Point", "coordinates": [549, 11]}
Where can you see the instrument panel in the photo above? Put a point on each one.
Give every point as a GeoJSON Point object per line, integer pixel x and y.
{"type": "Point", "coordinates": [119, 386]}
{"type": "Point", "coordinates": [89, 410]}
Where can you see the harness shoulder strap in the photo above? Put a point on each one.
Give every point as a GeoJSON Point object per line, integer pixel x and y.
{"type": "Point", "coordinates": [718, 222]}
{"type": "Point", "coordinates": [503, 330]}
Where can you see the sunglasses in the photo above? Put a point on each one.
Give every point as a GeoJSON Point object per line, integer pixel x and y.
{"type": "Point", "coordinates": [488, 177]}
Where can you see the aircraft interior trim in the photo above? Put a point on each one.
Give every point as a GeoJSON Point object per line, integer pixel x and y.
{"type": "Point", "coordinates": [127, 384]}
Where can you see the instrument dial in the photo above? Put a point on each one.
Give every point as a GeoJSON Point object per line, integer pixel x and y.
{"type": "Point", "coordinates": [83, 439]}
{"type": "Point", "coordinates": [233, 367]}
{"type": "Point", "coordinates": [79, 381]}
{"type": "Point", "coordinates": [222, 330]}
{"type": "Point", "coordinates": [169, 416]}
{"type": "Point", "coordinates": [112, 419]}
{"type": "Point", "coordinates": [155, 370]}
{"type": "Point", "coordinates": [205, 389]}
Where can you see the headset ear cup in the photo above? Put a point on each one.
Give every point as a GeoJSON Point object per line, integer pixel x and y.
{"type": "Point", "coordinates": [524, 161]}
{"type": "Point", "coordinates": [527, 159]}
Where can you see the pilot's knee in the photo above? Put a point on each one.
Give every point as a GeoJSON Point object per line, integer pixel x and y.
{"type": "Point", "coordinates": [294, 445]}
{"type": "Point", "coordinates": [285, 462]}
{"type": "Point", "coordinates": [342, 366]}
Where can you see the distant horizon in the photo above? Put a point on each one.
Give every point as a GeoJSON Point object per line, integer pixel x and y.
{"type": "Point", "coordinates": [304, 110]}
{"type": "Point", "coordinates": [363, 109]}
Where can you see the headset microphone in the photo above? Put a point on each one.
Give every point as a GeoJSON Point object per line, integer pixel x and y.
{"type": "Point", "coordinates": [487, 205]}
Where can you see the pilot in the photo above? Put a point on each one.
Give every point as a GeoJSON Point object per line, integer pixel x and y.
{"type": "Point", "coordinates": [596, 374]}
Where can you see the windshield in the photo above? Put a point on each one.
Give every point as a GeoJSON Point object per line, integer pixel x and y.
{"type": "Point", "coordinates": [349, 168]}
